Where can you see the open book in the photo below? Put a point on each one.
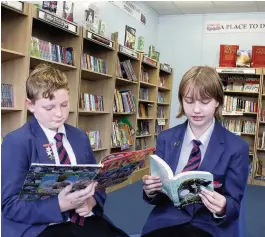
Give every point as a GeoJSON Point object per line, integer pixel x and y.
{"type": "Point", "coordinates": [44, 180]}
{"type": "Point", "coordinates": [183, 188]}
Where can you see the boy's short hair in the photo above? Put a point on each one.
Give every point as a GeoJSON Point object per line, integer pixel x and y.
{"type": "Point", "coordinates": [205, 83]}
{"type": "Point", "coordinates": [43, 81]}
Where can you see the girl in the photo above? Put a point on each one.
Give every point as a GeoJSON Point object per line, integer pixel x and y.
{"type": "Point", "coordinates": [200, 143]}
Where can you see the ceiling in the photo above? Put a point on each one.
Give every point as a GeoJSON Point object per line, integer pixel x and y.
{"type": "Point", "coordinates": [205, 7]}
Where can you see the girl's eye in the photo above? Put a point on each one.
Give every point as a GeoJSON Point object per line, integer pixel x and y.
{"type": "Point", "coordinates": [189, 101]}
{"type": "Point", "coordinates": [205, 102]}
{"type": "Point", "coordinates": [64, 105]}
{"type": "Point", "coordinates": [49, 108]}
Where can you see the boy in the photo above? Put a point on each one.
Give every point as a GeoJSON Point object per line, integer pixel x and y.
{"type": "Point", "coordinates": [201, 143]}
{"type": "Point", "coordinates": [78, 213]}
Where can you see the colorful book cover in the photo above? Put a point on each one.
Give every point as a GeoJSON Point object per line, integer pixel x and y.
{"type": "Point", "coordinates": [129, 40]}
{"type": "Point", "coordinates": [45, 180]}
{"type": "Point", "coordinates": [183, 189]}
{"type": "Point", "coordinates": [243, 58]}
{"type": "Point", "coordinates": [228, 55]}
{"type": "Point", "coordinates": [258, 56]}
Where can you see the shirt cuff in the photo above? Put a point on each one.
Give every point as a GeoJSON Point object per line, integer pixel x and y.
{"type": "Point", "coordinates": [151, 195]}
{"type": "Point", "coordinates": [218, 217]}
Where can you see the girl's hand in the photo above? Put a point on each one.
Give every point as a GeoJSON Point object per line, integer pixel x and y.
{"type": "Point", "coordinates": [151, 184]}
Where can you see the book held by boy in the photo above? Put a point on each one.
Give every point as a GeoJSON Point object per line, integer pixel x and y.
{"type": "Point", "coordinates": [183, 188]}
{"type": "Point", "coordinates": [45, 180]}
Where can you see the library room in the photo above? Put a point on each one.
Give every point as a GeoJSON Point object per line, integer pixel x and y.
{"type": "Point", "coordinates": [132, 118]}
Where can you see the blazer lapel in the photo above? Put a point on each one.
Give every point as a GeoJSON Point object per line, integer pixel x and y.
{"type": "Point", "coordinates": [214, 150]}
{"type": "Point", "coordinates": [176, 144]}
{"type": "Point", "coordinates": [41, 140]}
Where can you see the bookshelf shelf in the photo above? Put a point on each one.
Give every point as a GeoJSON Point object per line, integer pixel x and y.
{"type": "Point", "coordinates": [161, 118]}
{"type": "Point", "coordinates": [146, 84]}
{"type": "Point", "coordinates": [159, 103]}
{"type": "Point", "coordinates": [242, 93]}
{"type": "Point", "coordinates": [88, 113]}
{"type": "Point", "coordinates": [150, 118]}
{"type": "Point", "coordinates": [123, 113]}
{"type": "Point", "coordinates": [92, 76]}
{"type": "Point", "coordinates": [100, 149]}
{"type": "Point", "coordinates": [122, 81]}
{"type": "Point", "coordinates": [140, 136]}
{"type": "Point", "coordinates": [128, 53]}
{"type": "Point", "coordinates": [240, 114]}
{"type": "Point", "coordinates": [261, 122]}
{"type": "Point", "coordinates": [7, 55]}
{"type": "Point", "coordinates": [34, 61]}
{"type": "Point", "coordinates": [5, 110]}
{"type": "Point", "coordinates": [147, 101]}
{"type": "Point", "coordinates": [160, 88]}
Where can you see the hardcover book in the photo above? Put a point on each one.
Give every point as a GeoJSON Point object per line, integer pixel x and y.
{"type": "Point", "coordinates": [183, 188]}
{"type": "Point", "coordinates": [243, 58]}
{"type": "Point", "coordinates": [258, 56]}
{"type": "Point", "coordinates": [129, 39]}
{"type": "Point", "coordinates": [44, 180]}
{"type": "Point", "coordinates": [228, 55]}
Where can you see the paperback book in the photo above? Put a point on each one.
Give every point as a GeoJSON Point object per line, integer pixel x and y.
{"type": "Point", "coordinates": [183, 188]}
{"type": "Point", "coordinates": [44, 180]}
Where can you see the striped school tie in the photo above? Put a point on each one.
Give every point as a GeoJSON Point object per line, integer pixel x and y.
{"type": "Point", "coordinates": [195, 157]}
{"type": "Point", "coordinates": [64, 160]}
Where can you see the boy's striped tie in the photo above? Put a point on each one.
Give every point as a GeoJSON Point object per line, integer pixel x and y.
{"type": "Point", "coordinates": [64, 160]}
{"type": "Point", "coordinates": [195, 157]}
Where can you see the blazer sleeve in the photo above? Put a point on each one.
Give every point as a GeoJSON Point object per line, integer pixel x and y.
{"type": "Point", "coordinates": [159, 198]}
{"type": "Point", "coordinates": [100, 196]}
{"type": "Point", "coordinates": [235, 184]}
{"type": "Point", "coordinates": [15, 165]}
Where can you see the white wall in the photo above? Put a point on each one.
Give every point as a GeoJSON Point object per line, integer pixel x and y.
{"type": "Point", "coordinates": [183, 44]}
{"type": "Point", "coordinates": [116, 19]}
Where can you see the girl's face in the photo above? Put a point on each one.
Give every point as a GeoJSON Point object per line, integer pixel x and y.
{"type": "Point", "coordinates": [200, 112]}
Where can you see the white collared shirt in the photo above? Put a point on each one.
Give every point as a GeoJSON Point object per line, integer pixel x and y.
{"type": "Point", "coordinates": [50, 134]}
{"type": "Point", "coordinates": [187, 145]}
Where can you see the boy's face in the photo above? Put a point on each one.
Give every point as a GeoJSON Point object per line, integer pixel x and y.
{"type": "Point", "coordinates": [200, 112]}
{"type": "Point", "coordinates": [51, 113]}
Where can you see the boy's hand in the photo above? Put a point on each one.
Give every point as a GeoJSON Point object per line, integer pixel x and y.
{"type": "Point", "coordinates": [87, 207]}
{"type": "Point", "coordinates": [151, 184]}
{"type": "Point", "coordinates": [214, 201]}
{"type": "Point", "coordinates": [69, 201]}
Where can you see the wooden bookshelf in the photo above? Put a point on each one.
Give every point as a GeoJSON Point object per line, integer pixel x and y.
{"type": "Point", "coordinates": [22, 22]}
{"type": "Point", "coordinates": [15, 22]}
{"type": "Point", "coordinates": [256, 153]}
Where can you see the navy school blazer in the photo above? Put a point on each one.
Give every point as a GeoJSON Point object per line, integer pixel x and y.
{"type": "Point", "coordinates": [227, 158]}
{"type": "Point", "coordinates": [20, 148]}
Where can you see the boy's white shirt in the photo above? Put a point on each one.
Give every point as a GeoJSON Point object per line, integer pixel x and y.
{"type": "Point", "coordinates": [187, 147]}
{"type": "Point", "coordinates": [50, 136]}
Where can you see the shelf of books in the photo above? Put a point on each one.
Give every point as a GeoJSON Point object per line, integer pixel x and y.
{"type": "Point", "coordinates": [15, 22]}
{"type": "Point", "coordinates": [115, 92]}
{"type": "Point", "coordinates": [258, 165]}
{"type": "Point", "coordinates": [242, 105]}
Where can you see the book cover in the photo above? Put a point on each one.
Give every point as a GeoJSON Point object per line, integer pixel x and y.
{"type": "Point", "coordinates": [183, 188]}
{"type": "Point", "coordinates": [258, 56]}
{"type": "Point", "coordinates": [243, 58]}
{"type": "Point", "coordinates": [228, 55]}
{"type": "Point", "coordinates": [44, 180]}
{"type": "Point", "coordinates": [129, 39]}
{"type": "Point", "coordinates": [68, 10]}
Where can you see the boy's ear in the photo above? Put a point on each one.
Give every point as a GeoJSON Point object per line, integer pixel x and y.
{"type": "Point", "coordinates": [30, 105]}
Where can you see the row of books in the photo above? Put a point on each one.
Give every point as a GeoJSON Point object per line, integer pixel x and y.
{"type": "Point", "coordinates": [262, 115]}
{"type": "Point", "coordinates": [232, 56]}
{"type": "Point", "coordinates": [124, 101]}
{"type": "Point", "coordinates": [245, 83]}
{"type": "Point", "coordinates": [7, 95]}
{"type": "Point", "coordinates": [160, 113]}
{"type": "Point", "coordinates": [261, 141]}
{"type": "Point", "coordinates": [143, 110]}
{"type": "Point", "coordinates": [162, 81]}
{"type": "Point", "coordinates": [240, 126]}
{"type": "Point", "coordinates": [48, 51]}
{"type": "Point", "coordinates": [160, 97]}
{"type": "Point", "coordinates": [144, 93]}
{"type": "Point", "coordinates": [144, 75]}
{"type": "Point", "coordinates": [125, 70]}
{"type": "Point", "coordinates": [159, 128]}
{"type": "Point", "coordinates": [89, 102]}
{"type": "Point", "coordinates": [142, 128]}
{"type": "Point", "coordinates": [93, 63]}
{"type": "Point", "coordinates": [141, 143]}
{"type": "Point", "coordinates": [260, 171]}
{"type": "Point", "coordinates": [94, 138]}
{"type": "Point", "coordinates": [236, 104]}
{"type": "Point", "coordinates": [121, 135]}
